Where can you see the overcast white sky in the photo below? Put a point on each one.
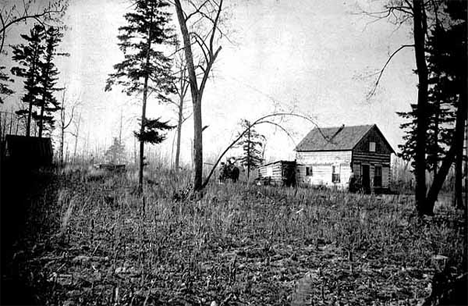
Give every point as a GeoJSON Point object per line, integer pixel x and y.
{"type": "Point", "coordinates": [310, 55]}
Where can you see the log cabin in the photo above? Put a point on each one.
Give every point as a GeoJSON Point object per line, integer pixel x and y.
{"type": "Point", "coordinates": [278, 173]}
{"type": "Point", "coordinates": [337, 155]}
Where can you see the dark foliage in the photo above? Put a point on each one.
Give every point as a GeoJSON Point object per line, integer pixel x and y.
{"type": "Point", "coordinates": [153, 131]}
{"type": "Point", "coordinates": [252, 144]}
{"type": "Point", "coordinates": [445, 55]}
{"type": "Point", "coordinates": [36, 66]}
{"type": "Point", "coordinates": [5, 90]}
{"type": "Point", "coordinates": [146, 30]}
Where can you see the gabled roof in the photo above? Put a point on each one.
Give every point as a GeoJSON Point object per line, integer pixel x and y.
{"type": "Point", "coordinates": [342, 138]}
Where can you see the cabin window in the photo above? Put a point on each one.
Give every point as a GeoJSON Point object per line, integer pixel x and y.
{"type": "Point", "coordinates": [309, 171]}
{"type": "Point", "coordinates": [335, 174]}
{"type": "Point", "coordinates": [371, 146]}
{"type": "Point", "coordinates": [378, 176]}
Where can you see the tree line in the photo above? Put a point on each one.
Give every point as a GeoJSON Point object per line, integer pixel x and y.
{"type": "Point", "coordinates": [163, 63]}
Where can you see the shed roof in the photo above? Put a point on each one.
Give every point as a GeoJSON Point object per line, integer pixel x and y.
{"type": "Point", "coordinates": [342, 138]}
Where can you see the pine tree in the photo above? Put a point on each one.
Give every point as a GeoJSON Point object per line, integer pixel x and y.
{"type": "Point", "coordinates": [251, 143]}
{"type": "Point", "coordinates": [28, 57]}
{"type": "Point", "coordinates": [48, 80]}
{"type": "Point", "coordinates": [441, 109]}
{"type": "Point", "coordinates": [5, 90]}
{"type": "Point", "coordinates": [445, 51]}
{"type": "Point", "coordinates": [145, 68]}
{"type": "Point", "coordinates": [116, 152]}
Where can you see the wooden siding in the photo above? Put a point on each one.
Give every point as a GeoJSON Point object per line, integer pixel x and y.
{"type": "Point", "coordinates": [321, 164]}
{"type": "Point", "coordinates": [324, 157]}
{"type": "Point", "coordinates": [381, 145]}
{"type": "Point", "coordinates": [278, 172]}
{"type": "Point", "coordinates": [381, 157]}
{"type": "Point", "coordinates": [370, 157]}
{"type": "Point", "coordinates": [357, 170]}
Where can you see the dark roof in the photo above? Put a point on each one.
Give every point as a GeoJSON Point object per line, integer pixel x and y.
{"type": "Point", "coordinates": [342, 138]}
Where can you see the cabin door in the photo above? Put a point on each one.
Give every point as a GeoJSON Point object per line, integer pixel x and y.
{"type": "Point", "coordinates": [366, 178]}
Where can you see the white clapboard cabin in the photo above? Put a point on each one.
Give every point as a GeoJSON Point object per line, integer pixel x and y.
{"type": "Point", "coordinates": [331, 156]}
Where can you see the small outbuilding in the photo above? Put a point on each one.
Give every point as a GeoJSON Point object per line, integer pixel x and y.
{"type": "Point", "coordinates": [28, 151]}
{"type": "Point", "coordinates": [337, 156]}
{"type": "Point", "coordinates": [279, 173]}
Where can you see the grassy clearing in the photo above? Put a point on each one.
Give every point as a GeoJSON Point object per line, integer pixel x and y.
{"type": "Point", "coordinates": [90, 242]}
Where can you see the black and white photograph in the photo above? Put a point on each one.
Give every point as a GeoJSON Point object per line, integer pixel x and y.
{"type": "Point", "coordinates": [233, 152]}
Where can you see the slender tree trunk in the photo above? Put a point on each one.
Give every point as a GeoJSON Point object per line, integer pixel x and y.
{"type": "Point", "coordinates": [41, 119]}
{"type": "Point", "coordinates": [11, 123]}
{"type": "Point", "coordinates": [420, 156]}
{"type": "Point", "coordinates": [62, 133]}
{"type": "Point", "coordinates": [76, 137]}
{"type": "Point", "coordinates": [28, 122]}
{"type": "Point", "coordinates": [33, 70]}
{"type": "Point", "coordinates": [62, 141]}
{"type": "Point", "coordinates": [249, 160]}
{"type": "Point", "coordinates": [142, 129]}
{"type": "Point", "coordinates": [43, 104]}
{"type": "Point", "coordinates": [143, 112]}
{"type": "Point", "coordinates": [459, 139]}
{"type": "Point", "coordinates": [179, 133]}
{"type": "Point", "coordinates": [182, 92]}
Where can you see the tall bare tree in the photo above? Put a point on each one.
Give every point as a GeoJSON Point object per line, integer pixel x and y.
{"type": "Point", "coordinates": [207, 12]}
{"type": "Point", "coordinates": [67, 117]}
{"type": "Point", "coordinates": [181, 86]}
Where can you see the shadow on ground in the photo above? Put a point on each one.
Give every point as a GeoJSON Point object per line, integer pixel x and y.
{"type": "Point", "coordinates": [19, 186]}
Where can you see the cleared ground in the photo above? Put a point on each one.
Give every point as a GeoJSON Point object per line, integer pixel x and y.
{"type": "Point", "coordinates": [91, 240]}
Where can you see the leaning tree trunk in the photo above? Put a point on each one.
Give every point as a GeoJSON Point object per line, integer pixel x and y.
{"type": "Point", "coordinates": [197, 92]}
{"type": "Point", "coordinates": [451, 154]}
{"type": "Point", "coordinates": [196, 99]}
{"type": "Point", "coordinates": [420, 156]}
{"type": "Point", "coordinates": [179, 134]}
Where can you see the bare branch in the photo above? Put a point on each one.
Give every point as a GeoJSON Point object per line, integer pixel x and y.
{"type": "Point", "coordinates": [197, 9]}
{"type": "Point", "coordinates": [261, 120]}
{"type": "Point", "coordinates": [23, 18]}
{"type": "Point", "coordinates": [376, 84]}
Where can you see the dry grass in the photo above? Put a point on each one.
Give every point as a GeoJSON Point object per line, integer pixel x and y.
{"type": "Point", "coordinates": [238, 245]}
